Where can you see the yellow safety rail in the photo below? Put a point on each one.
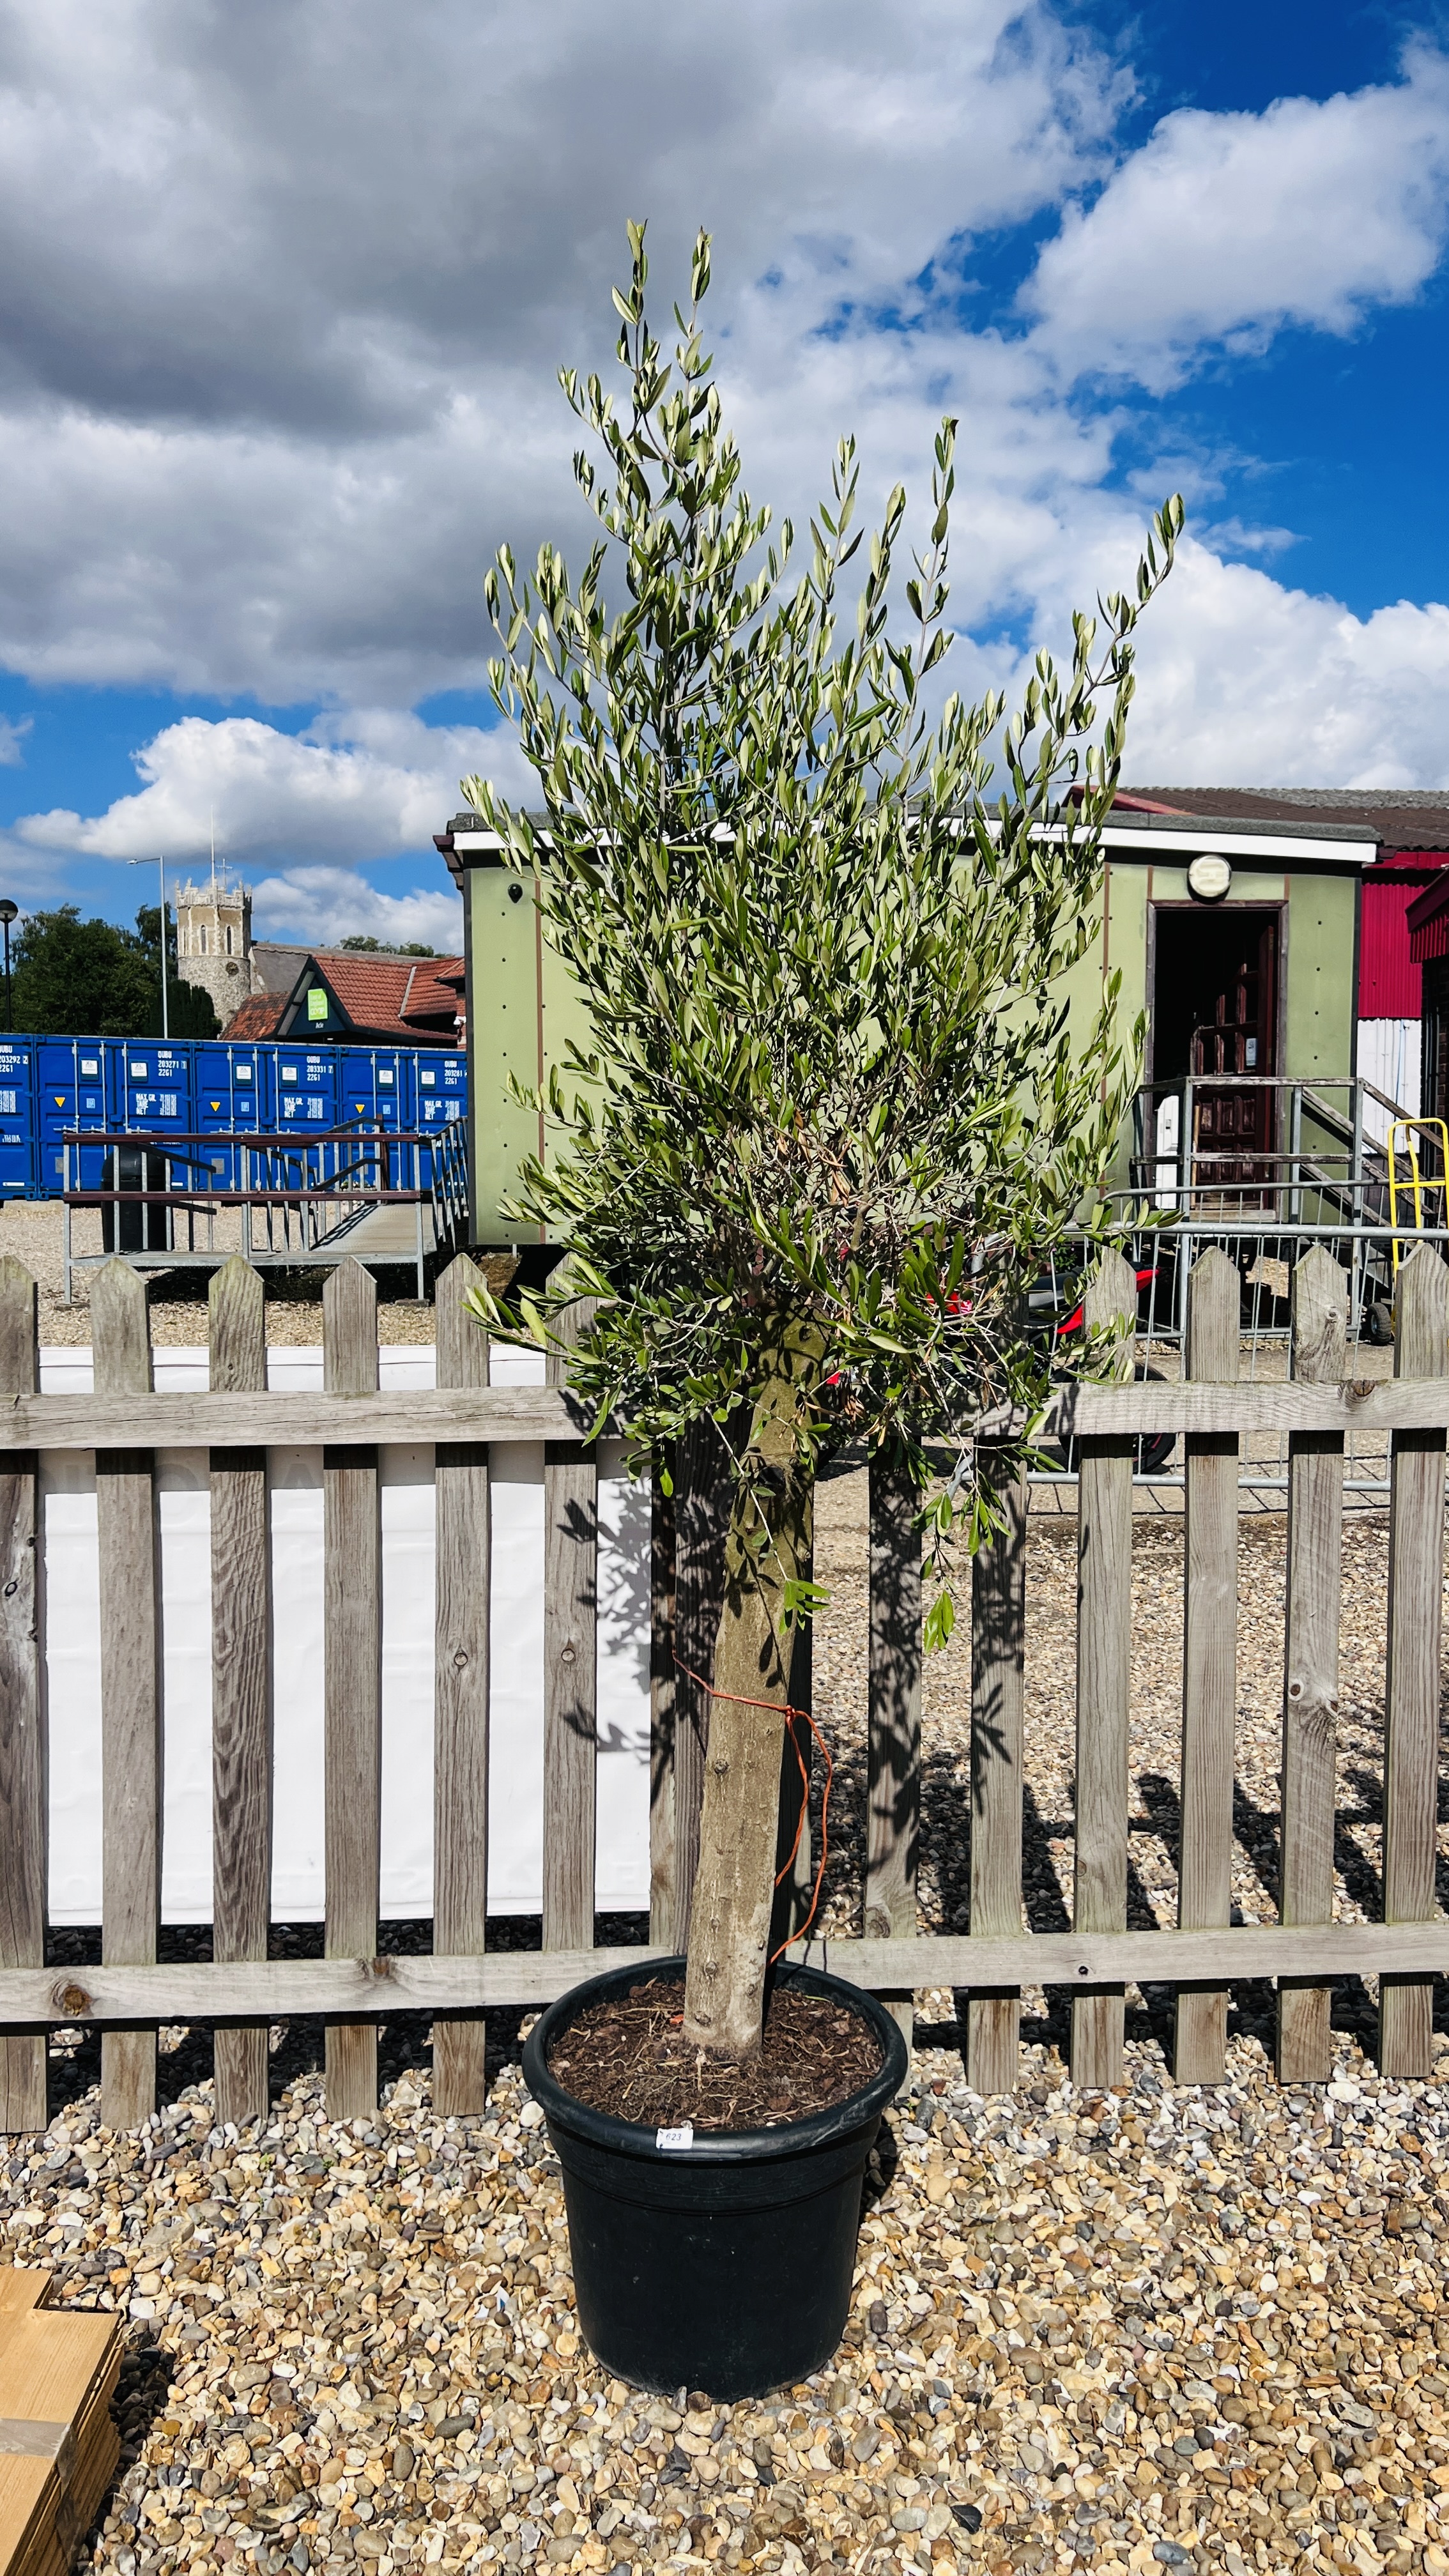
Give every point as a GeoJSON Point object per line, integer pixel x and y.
{"type": "Point", "coordinates": [1416, 1183]}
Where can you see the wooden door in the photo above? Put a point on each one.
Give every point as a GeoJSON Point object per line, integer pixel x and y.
{"type": "Point", "coordinates": [1234, 1031]}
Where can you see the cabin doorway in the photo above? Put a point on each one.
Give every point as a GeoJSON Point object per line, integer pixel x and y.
{"type": "Point", "coordinates": [1215, 991]}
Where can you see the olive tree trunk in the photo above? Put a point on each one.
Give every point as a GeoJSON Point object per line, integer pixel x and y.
{"type": "Point", "coordinates": [768, 1545]}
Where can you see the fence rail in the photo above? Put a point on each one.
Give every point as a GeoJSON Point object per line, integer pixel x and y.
{"type": "Point", "coordinates": [353, 1988]}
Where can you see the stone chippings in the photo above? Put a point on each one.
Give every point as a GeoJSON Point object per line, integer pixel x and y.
{"type": "Point", "coordinates": [1150, 2329]}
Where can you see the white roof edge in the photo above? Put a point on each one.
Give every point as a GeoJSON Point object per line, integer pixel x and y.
{"type": "Point", "coordinates": [1157, 843]}
{"type": "Point", "coordinates": [1146, 843]}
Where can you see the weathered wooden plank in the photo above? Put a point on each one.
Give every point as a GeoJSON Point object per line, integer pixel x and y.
{"type": "Point", "coordinates": [1359, 1406]}
{"type": "Point", "coordinates": [701, 1512]}
{"type": "Point", "coordinates": [663, 1892]}
{"type": "Point", "coordinates": [284, 1419]}
{"type": "Point", "coordinates": [998, 1616]}
{"type": "Point", "coordinates": [1411, 1734]}
{"type": "Point", "coordinates": [22, 1712]}
{"type": "Point", "coordinates": [1310, 1662]}
{"type": "Point", "coordinates": [570, 1668]}
{"type": "Point", "coordinates": [241, 1686]}
{"type": "Point", "coordinates": [1209, 1666]}
{"type": "Point", "coordinates": [794, 1855]}
{"type": "Point", "coordinates": [530, 1414]}
{"type": "Point", "coordinates": [460, 1695]}
{"type": "Point", "coordinates": [1104, 1649]}
{"type": "Point", "coordinates": [130, 1689]}
{"type": "Point", "coordinates": [199, 1990]}
{"type": "Point", "coordinates": [893, 1719]}
{"type": "Point", "coordinates": [352, 1574]}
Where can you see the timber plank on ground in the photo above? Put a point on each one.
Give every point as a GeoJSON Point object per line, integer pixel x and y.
{"type": "Point", "coordinates": [58, 2443]}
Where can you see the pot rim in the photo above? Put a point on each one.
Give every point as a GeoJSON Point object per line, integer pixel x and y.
{"type": "Point", "coordinates": [714, 2146]}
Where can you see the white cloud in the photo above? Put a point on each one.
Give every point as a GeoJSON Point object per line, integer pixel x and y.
{"type": "Point", "coordinates": [370, 785]}
{"type": "Point", "coordinates": [328, 904]}
{"type": "Point", "coordinates": [276, 362]}
{"type": "Point", "coordinates": [1224, 227]}
{"type": "Point", "coordinates": [12, 741]}
{"type": "Point", "coordinates": [1244, 682]}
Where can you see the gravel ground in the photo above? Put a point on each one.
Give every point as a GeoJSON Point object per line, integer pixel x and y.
{"type": "Point", "coordinates": [1195, 2330]}
{"type": "Point", "coordinates": [31, 1229]}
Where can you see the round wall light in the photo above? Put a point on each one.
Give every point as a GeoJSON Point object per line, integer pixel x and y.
{"type": "Point", "coordinates": [1209, 877]}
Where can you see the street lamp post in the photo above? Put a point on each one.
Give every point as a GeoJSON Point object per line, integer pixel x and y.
{"type": "Point", "coordinates": [8, 912]}
{"type": "Point", "coordinates": [161, 871]}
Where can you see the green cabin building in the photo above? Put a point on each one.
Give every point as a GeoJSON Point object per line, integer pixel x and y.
{"type": "Point", "coordinates": [1236, 937]}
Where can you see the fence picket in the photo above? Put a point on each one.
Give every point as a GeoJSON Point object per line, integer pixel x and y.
{"type": "Point", "coordinates": [1411, 1733]}
{"type": "Point", "coordinates": [893, 1755]}
{"type": "Point", "coordinates": [570, 1669]}
{"type": "Point", "coordinates": [460, 1696]}
{"type": "Point", "coordinates": [1310, 1664]}
{"type": "Point", "coordinates": [241, 1686]}
{"type": "Point", "coordinates": [130, 1689]}
{"type": "Point", "coordinates": [1209, 1666]}
{"type": "Point", "coordinates": [352, 1560]}
{"type": "Point", "coordinates": [998, 1615]}
{"type": "Point", "coordinates": [1104, 1645]}
{"type": "Point", "coordinates": [23, 1822]}
{"type": "Point", "coordinates": [663, 1711]}
{"type": "Point", "coordinates": [700, 1514]}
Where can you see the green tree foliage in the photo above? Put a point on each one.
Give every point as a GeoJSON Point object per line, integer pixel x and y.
{"type": "Point", "coordinates": [74, 978]}
{"type": "Point", "coordinates": [834, 1117]}
{"type": "Point", "coordinates": [363, 940]}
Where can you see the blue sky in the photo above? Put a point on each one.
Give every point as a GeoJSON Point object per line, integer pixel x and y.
{"type": "Point", "coordinates": [276, 374]}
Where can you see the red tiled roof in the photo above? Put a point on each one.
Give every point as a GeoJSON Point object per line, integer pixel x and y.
{"type": "Point", "coordinates": [396, 996]}
{"type": "Point", "coordinates": [257, 1017]}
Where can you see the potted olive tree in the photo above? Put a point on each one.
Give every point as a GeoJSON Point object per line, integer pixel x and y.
{"type": "Point", "coordinates": [832, 1119]}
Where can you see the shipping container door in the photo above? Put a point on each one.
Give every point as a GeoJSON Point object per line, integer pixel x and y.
{"type": "Point", "coordinates": [17, 1118]}
{"type": "Point", "coordinates": [70, 1091]}
{"type": "Point", "coordinates": [227, 1100]}
{"type": "Point", "coordinates": [440, 1086]}
{"type": "Point", "coordinates": [299, 1099]}
{"type": "Point", "coordinates": [371, 1083]}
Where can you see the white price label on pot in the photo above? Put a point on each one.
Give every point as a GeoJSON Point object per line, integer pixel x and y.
{"type": "Point", "coordinates": [675, 2137]}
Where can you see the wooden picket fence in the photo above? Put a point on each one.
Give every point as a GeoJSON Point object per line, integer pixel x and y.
{"type": "Point", "coordinates": [240, 1991]}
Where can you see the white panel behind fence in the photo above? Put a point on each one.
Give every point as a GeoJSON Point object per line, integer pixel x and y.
{"type": "Point", "coordinates": [72, 1637]}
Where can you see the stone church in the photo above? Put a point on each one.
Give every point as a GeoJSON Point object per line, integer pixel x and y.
{"type": "Point", "coordinates": [214, 940]}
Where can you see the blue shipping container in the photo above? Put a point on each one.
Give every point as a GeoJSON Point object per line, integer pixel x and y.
{"type": "Point", "coordinates": [149, 1085]}
{"type": "Point", "coordinates": [70, 1090]}
{"type": "Point", "coordinates": [17, 1117]}
{"type": "Point", "coordinates": [230, 1089]}
{"type": "Point", "coordinates": [206, 1088]}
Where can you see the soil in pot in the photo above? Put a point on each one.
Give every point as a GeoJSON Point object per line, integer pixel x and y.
{"type": "Point", "coordinates": [627, 2054]}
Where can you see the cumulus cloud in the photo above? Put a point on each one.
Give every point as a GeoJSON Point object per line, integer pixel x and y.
{"type": "Point", "coordinates": [276, 361]}
{"type": "Point", "coordinates": [1257, 684]}
{"type": "Point", "coordinates": [325, 903]}
{"type": "Point", "coordinates": [1224, 227]}
{"type": "Point", "coordinates": [367, 786]}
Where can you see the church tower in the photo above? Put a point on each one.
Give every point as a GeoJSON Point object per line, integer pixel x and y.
{"type": "Point", "coordinates": [214, 940]}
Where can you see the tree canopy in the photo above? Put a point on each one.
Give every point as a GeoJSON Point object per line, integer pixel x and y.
{"type": "Point", "coordinates": [836, 1111]}
{"type": "Point", "coordinates": [364, 941]}
{"type": "Point", "coordinates": [74, 978]}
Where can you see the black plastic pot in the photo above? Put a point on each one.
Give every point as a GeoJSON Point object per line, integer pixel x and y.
{"type": "Point", "coordinates": [725, 2266]}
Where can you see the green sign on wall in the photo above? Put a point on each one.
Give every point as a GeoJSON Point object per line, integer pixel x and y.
{"type": "Point", "coordinates": [316, 1002]}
